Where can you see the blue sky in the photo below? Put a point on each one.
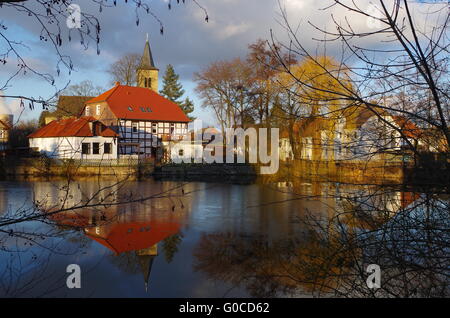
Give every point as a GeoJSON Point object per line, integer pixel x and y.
{"type": "Point", "coordinates": [188, 43]}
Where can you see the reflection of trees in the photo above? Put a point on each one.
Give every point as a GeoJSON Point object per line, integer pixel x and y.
{"type": "Point", "coordinates": [170, 246]}
{"type": "Point", "coordinates": [331, 258]}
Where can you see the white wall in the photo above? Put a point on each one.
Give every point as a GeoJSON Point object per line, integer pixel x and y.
{"type": "Point", "coordinates": [70, 147]}
{"type": "Point", "coordinates": [189, 151]}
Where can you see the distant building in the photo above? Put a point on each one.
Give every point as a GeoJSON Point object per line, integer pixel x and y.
{"type": "Point", "coordinates": [68, 106]}
{"type": "Point", "coordinates": [356, 133]}
{"type": "Point", "coordinates": [5, 128]}
{"type": "Point", "coordinates": [75, 138]}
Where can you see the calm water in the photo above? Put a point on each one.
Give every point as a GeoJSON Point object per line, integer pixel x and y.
{"type": "Point", "coordinates": [176, 239]}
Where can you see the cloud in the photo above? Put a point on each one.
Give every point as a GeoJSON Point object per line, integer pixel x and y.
{"type": "Point", "coordinates": [188, 42]}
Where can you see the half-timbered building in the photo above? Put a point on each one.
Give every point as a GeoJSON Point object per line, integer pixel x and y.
{"type": "Point", "coordinates": [140, 116]}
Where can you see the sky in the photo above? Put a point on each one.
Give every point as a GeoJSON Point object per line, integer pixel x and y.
{"type": "Point", "coordinates": [189, 43]}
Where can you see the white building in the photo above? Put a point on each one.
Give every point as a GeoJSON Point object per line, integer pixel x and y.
{"type": "Point", "coordinates": [76, 138]}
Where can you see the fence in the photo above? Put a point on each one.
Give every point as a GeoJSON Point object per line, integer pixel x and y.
{"type": "Point", "coordinates": [121, 162]}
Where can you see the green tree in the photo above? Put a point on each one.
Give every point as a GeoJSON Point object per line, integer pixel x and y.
{"type": "Point", "coordinates": [173, 90]}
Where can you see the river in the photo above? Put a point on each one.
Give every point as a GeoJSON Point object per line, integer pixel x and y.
{"type": "Point", "coordinates": [153, 238]}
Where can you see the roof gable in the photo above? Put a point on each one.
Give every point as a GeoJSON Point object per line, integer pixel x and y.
{"type": "Point", "coordinates": [138, 103]}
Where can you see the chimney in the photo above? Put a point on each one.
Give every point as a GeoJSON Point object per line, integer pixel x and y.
{"type": "Point", "coordinates": [117, 84]}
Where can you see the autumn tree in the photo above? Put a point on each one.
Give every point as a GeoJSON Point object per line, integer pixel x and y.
{"type": "Point", "coordinates": [243, 91]}
{"type": "Point", "coordinates": [265, 65]}
{"type": "Point", "coordinates": [224, 88]}
{"type": "Point", "coordinates": [413, 63]}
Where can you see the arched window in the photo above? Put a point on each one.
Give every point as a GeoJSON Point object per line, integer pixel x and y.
{"type": "Point", "coordinates": [149, 81]}
{"type": "Point", "coordinates": [145, 82]}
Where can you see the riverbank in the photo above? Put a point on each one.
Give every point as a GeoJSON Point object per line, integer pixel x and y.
{"type": "Point", "coordinates": [41, 166]}
{"type": "Point", "coordinates": [357, 172]}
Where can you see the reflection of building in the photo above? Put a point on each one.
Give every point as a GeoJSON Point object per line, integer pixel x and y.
{"type": "Point", "coordinates": [142, 238]}
{"type": "Point", "coordinates": [135, 228]}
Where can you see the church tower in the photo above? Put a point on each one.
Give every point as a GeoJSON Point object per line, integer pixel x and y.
{"type": "Point", "coordinates": [147, 73]}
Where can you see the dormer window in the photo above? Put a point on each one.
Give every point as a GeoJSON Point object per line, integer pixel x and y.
{"type": "Point", "coordinates": [142, 109]}
{"type": "Point", "coordinates": [130, 108]}
{"type": "Point", "coordinates": [149, 110]}
{"type": "Point", "coordinates": [98, 110]}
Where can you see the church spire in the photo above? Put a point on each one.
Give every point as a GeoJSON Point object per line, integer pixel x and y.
{"type": "Point", "coordinates": [147, 73]}
{"type": "Point", "coordinates": [147, 62]}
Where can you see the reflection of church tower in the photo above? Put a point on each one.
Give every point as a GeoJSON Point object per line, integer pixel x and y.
{"type": "Point", "coordinates": [146, 257]}
{"type": "Point", "coordinates": [147, 73]}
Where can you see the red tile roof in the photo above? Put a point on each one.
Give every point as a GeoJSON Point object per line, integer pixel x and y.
{"type": "Point", "coordinates": [132, 236]}
{"type": "Point", "coordinates": [71, 127]}
{"type": "Point", "coordinates": [121, 97]}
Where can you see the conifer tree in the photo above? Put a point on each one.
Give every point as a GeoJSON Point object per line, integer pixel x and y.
{"type": "Point", "coordinates": [173, 90]}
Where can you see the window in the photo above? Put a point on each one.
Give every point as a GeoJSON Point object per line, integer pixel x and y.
{"type": "Point", "coordinates": [142, 109]}
{"type": "Point", "coordinates": [181, 152]}
{"type": "Point", "coordinates": [130, 108]}
{"type": "Point", "coordinates": [96, 148]}
{"type": "Point", "coordinates": [107, 148]}
{"type": "Point", "coordinates": [154, 129]}
{"type": "Point", "coordinates": [149, 82]}
{"type": "Point", "coordinates": [88, 111]}
{"type": "Point", "coordinates": [98, 110]}
{"type": "Point", "coordinates": [145, 82]}
{"type": "Point", "coordinates": [149, 110]}
{"type": "Point", "coordinates": [134, 127]}
{"type": "Point", "coordinates": [86, 148]}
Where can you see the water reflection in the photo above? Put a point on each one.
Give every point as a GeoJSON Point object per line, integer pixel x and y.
{"type": "Point", "coordinates": [176, 239]}
{"type": "Point", "coordinates": [131, 232]}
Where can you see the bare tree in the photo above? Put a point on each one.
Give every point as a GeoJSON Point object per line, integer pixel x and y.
{"type": "Point", "coordinates": [50, 17]}
{"type": "Point", "coordinates": [84, 88]}
{"type": "Point", "coordinates": [124, 69]}
{"type": "Point", "coordinates": [414, 62]}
